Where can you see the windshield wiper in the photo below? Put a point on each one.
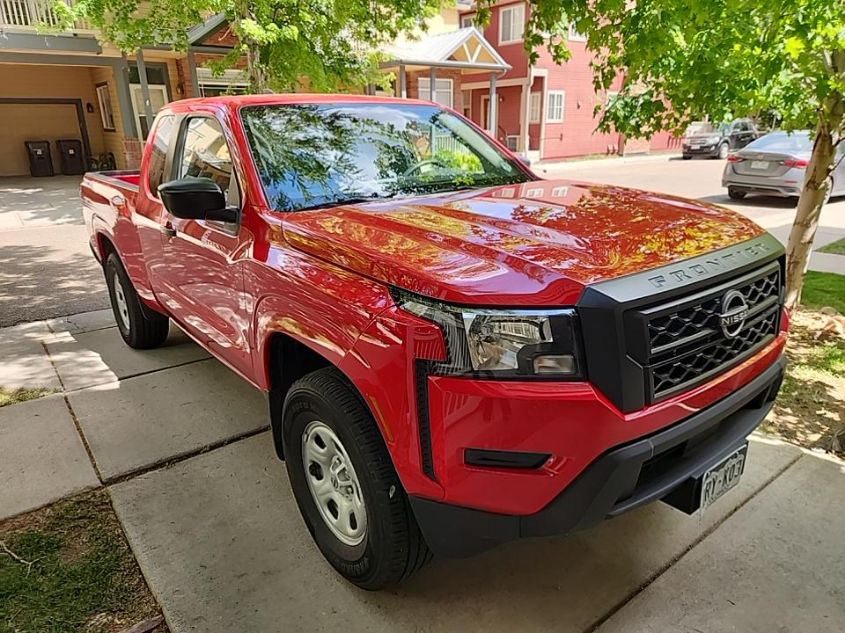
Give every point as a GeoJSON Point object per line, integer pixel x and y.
{"type": "Point", "coordinates": [340, 201]}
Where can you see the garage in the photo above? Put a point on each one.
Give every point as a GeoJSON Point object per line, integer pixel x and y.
{"type": "Point", "coordinates": [37, 120]}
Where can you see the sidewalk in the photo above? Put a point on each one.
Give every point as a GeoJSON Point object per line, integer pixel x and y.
{"type": "Point", "coordinates": [181, 445]}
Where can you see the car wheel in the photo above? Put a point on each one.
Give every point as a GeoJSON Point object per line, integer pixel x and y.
{"type": "Point", "coordinates": [736, 194]}
{"type": "Point", "coordinates": [686, 156]}
{"type": "Point", "coordinates": [345, 486]}
{"type": "Point", "coordinates": [140, 327]}
{"type": "Point", "coordinates": [723, 151]}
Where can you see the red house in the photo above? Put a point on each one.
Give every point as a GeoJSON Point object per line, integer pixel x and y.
{"type": "Point", "coordinates": [544, 110]}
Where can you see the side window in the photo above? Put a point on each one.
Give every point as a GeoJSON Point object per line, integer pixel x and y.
{"type": "Point", "coordinates": [205, 154]}
{"type": "Point", "coordinates": [162, 133]}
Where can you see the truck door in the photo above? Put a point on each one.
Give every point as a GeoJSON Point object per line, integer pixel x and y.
{"type": "Point", "coordinates": [202, 284]}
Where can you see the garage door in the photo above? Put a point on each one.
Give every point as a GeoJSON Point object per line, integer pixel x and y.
{"type": "Point", "coordinates": [33, 122]}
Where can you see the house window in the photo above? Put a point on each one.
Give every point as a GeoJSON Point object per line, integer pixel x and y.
{"type": "Point", "coordinates": [534, 193]}
{"type": "Point", "coordinates": [106, 112]}
{"type": "Point", "coordinates": [512, 142]}
{"type": "Point", "coordinates": [230, 82]}
{"type": "Point", "coordinates": [511, 24]}
{"type": "Point", "coordinates": [442, 90]}
{"type": "Point", "coordinates": [534, 109]}
{"type": "Point", "coordinates": [560, 192]}
{"type": "Point", "coordinates": [554, 106]}
{"type": "Point", "coordinates": [574, 35]}
{"type": "Point", "coordinates": [467, 21]}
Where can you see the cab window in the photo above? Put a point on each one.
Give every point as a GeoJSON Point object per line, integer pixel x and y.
{"type": "Point", "coordinates": [162, 133]}
{"type": "Point", "coordinates": [205, 154]}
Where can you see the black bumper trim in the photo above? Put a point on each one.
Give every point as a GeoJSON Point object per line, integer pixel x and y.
{"type": "Point", "coordinates": [608, 487]}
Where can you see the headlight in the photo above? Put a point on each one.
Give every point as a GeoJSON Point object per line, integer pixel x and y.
{"type": "Point", "coordinates": [503, 343]}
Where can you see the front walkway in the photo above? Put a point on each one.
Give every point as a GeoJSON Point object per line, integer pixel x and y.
{"type": "Point", "coordinates": [181, 444]}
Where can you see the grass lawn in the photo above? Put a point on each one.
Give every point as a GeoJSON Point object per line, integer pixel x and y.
{"type": "Point", "coordinates": [68, 568]}
{"type": "Point", "coordinates": [13, 396]}
{"type": "Point", "coordinates": [824, 289]}
{"type": "Point", "coordinates": [837, 247]}
{"type": "Point", "coordinates": [810, 409]}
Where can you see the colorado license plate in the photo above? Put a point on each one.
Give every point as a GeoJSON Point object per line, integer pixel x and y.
{"type": "Point", "coordinates": [722, 477]}
{"type": "Point", "coordinates": [759, 164]}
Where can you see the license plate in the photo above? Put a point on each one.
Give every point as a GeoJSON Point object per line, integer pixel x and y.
{"type": "Point", "coordinates": [722, 477]}
{"type": "Point", "coordinates": [695, 146]}
{"type": "Point", "coordinates": [759, 164]}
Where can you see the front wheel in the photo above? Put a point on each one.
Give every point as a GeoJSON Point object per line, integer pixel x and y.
{"type": "Point", "coordinates": [140, 327]}
{"type": "Point", "coordinates": [723, 151]}
{"type": "Point", "coordinates": [345, 486]}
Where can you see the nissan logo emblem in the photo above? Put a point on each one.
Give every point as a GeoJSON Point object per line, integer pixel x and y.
{"type": "Point", "coordinates": [734, 312]}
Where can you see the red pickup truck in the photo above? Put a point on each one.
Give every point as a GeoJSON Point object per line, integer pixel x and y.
{"type": "Point", "coordinates": [456, 352]}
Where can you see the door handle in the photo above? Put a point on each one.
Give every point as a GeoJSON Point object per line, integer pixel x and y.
{"type": "Point", "coordinates": [168, 230]}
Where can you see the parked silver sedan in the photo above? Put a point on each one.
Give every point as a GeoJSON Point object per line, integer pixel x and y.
{"type": "Point", "coordinates": [775, 164]}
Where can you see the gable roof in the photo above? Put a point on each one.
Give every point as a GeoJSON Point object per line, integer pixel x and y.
{"type": "Point", "coordinates": [465, 48]}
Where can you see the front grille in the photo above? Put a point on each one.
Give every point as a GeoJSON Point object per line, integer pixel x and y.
{"type": "Point", "coordinates": [685, 343]}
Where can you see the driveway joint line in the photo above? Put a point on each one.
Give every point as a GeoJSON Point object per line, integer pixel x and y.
{"type": "Point", "coordinates": [178, 459]}
{"type": "Point", "coordinates": [73, 417]}
{"type": "Point", "coordinates": [140, 374]}
{"type": "Point", "coordinates": [595, 626]}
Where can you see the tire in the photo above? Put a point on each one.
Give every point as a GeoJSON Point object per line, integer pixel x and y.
{"type": "Point", "coordinates": [140, 327]}
{"type": "Point", "coordinates": [323, 407]}
{"type": "Point", "coordinates": [686, 156]}
{"type": "Point", "coordinates": [736, 194]}
{"type": "Point", "coordinates": [722, 153]}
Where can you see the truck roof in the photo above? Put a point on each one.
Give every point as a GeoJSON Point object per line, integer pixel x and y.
{"type": "Point", "coordinates": [236, 101]}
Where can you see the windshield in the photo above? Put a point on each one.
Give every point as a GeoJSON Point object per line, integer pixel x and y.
{"type": "Point", "coordinates": [312, 155]}
{"type": "Point", "coordinates": [700, 127]}
{"type": "Point", "coordinates": [783, 142]}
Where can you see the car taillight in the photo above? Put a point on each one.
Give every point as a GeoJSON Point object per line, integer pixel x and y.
{"type": "Point", "coordinates": [795, 162]}
{"type": "Point", "coordinates": [733, 158]}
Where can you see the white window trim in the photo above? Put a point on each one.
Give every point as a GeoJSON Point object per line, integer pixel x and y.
{"type": "Point", "coordinates": [574, 35]}
{"type": "Point", "coordinates": [515, 138]}
{"type": "Point", "coordinates": [560, 192]}
{"type": "Point", "coordinates": [511, 9]}
{"type": "Point", "coordinates": [467, 20]}
{"type": "Point", "coordinates": [549, 96]}
{"type": "Point", "coordinates": [106, 110]}
{"type": "Point", "coordinates": [423, 93]}
{"type": "Point", "coordinates": [536, 99]}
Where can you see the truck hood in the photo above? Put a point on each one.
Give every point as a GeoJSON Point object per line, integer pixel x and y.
{"type": "Point", "coordinates": [536, 243]}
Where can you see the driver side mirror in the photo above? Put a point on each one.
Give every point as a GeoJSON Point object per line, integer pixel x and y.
{"type": "Point", "coordinates": [196, 199]}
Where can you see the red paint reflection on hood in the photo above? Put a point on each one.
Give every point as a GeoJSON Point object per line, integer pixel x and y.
{"type": "Point", "coordinates": [537, 243]}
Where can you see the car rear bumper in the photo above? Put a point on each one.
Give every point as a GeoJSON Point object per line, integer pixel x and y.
{"type": "Point", "coordinates": [788, 184]}
{"type": "Point", "coordinates": [621, 479]}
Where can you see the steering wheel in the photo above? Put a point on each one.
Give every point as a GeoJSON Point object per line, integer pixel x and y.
{"type": "Point", "coordinates": [424, 163]}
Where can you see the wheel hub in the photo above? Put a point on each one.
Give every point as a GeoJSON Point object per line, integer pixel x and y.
{"type": "Point", "coordinates": [333, 483]}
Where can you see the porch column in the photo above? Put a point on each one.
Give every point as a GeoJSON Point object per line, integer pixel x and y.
{"type": "Point", "coordinates": [145, 88]}
{"type": "Point", "coordinates": [192, 70]}
{"type": "Point", "coordinates": [403, 84]}
{"type": "Point", "coordinates": [124, 98]}
{"type": "Point", "coordinates": [525, 112]}
{"type": "Point", "coordinates": [432, 80]}
{"type": "Point", "coordinates": [493, 104]}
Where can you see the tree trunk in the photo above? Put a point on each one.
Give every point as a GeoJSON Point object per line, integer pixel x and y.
{"type": "Point", "coordinates": [813, 196]}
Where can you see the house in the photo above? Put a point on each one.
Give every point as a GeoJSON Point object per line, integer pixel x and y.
{"type": "Point", "coordinates": [69, 86]}
{"type": "Point", "coordinates": [545, 110]}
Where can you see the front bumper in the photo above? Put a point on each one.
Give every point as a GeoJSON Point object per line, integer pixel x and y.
{"type": "Point", "coordinates": [620, 480]}
{"type": "Point", "coordinates": [708, 150]}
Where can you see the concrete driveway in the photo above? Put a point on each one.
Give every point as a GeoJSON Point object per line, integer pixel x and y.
{"type": "Point", "coordinates": [182, 446]}
{"type": "Point", "coordinates": [46, 268]}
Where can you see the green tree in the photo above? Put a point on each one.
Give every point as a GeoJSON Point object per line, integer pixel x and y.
{"type": "Point", "coordinates": [320, 45]}
{"type": "Point", "coordinates": [685, 59]}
